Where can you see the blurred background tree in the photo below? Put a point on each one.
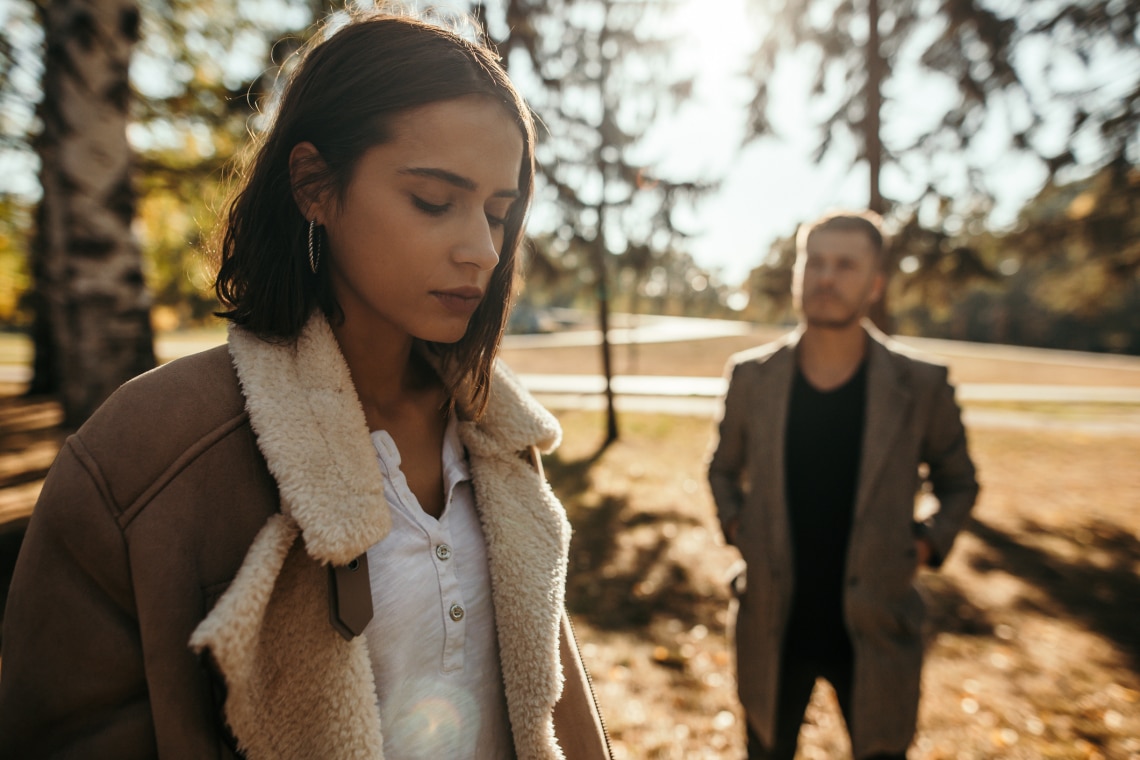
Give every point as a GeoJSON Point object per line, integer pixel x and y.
{"type": "Point", "coordinates": [597, 74]}
{"type": "Point", "coordinates": [880, 64]}
{"type": "Point", "coordinates": [199, 75]}
{"type": "Point", "coordinates": [1026, 81]}
{"type": "Point", "coordinates": [21, 66]}
{"type": "Point", "coordinates": [206, 71]}
{"type": "Point", "coordinates": [91, 308]}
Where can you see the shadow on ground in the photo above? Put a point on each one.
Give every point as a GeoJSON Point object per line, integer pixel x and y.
{"type": "Point", "coordinates": [1087, 573]}
{"type": "Point", "coordinates": [949, 609]}
{"type": "Point", "coordinates": [622, 574]}
{"type": "Point", "coordinates": [30, 437]}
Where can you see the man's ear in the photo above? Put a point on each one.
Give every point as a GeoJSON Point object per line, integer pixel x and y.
{"type": "Point", "coordinates": [306, 165]}
{"type": "Point", "coordinates": [878, 287]}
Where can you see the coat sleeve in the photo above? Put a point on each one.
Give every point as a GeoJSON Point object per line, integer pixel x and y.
{"type": "Point", "coordinates": [952, 475]}
{"type": "Point", "coordinates": [73, 680]}
{"type": "Point", "coordinates": [578, 723]}
{"type": "Point", "coordinates": [727, 462]}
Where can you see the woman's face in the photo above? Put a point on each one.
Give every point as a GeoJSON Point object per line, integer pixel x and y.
{"type": "Point", "coordinates": [418, 232]}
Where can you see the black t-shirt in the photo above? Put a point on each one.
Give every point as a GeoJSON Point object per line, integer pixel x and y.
{"type": "Point", "coordinates": [824, 446]}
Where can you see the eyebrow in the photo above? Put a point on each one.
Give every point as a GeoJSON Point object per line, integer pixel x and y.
{"type": "Point", "coordinates": [452, 178]}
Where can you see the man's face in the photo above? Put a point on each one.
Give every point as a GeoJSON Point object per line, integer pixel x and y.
{"type": "Point", "coordinates": [836, 279]}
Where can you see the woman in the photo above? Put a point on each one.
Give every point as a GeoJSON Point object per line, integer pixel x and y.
{"type": "Point", "coordinates": [332, 537]}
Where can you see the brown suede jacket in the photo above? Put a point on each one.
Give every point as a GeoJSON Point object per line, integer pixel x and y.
{"type": "Point", "coordinates": [172, 595]}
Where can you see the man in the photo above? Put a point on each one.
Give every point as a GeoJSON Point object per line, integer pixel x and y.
{"type": "Point", "coordinates": [815, 477]}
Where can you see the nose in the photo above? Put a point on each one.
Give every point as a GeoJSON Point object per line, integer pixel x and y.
{"type": "Point", "coordinates": [826, 273]}
{"type": "Point", "coordinates": [480, 244]}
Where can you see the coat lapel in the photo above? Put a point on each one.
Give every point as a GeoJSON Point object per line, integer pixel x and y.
{"type": "Point", "coordinates": [295, 688]}
{"type": "Point", "coordinates": [888, 402]}
{"type": "Point", "coordinates": [773, 397]}
{"type": "Point", "coordinates": [311, 430]}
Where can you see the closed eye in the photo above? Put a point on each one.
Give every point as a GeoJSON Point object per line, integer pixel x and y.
{"type": "Point", "coordinates": [430, 208]}
{"type": "Point", "coordinates": [497, 221]}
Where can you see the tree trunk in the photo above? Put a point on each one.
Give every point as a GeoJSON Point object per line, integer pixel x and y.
{"type": "Point", "coordinates": [599, 247]}
{"type": "Point", "coordinates": [603, 293]}
{"type": "Point", "coordinates": [873, 144]}
{"type": "Point", "coordinates": [88, 266]}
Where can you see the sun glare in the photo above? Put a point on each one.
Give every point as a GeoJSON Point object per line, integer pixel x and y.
{"type": "Point", "coordinates": [716, 38]}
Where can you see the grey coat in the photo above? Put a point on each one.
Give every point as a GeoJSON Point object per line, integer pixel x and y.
{"type": "Point", "coordinates": [911, 419]}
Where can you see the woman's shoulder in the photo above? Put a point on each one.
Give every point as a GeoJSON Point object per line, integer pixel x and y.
{"type": "Point", "coordinates": [164, 412]}
{"type": "Point", "coordinates": [198, 386]}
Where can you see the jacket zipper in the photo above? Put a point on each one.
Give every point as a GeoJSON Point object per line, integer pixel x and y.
{"type": "Point", "coordinates": [590, 686]}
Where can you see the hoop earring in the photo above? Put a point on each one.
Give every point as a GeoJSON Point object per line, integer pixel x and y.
{"type": "Point", "coordinates": [314, 247]}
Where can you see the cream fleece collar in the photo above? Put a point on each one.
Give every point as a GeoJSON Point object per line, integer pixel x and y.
{"type": "Point", "coordinates": [311, 428]}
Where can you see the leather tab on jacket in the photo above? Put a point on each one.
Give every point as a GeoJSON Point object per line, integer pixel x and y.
{"type": "Point", "coordinates": [350, 597]}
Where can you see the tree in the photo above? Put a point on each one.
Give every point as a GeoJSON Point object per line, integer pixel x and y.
{"type": "Point", "coordinates": [212, 68]}
{"type": "Point", "coordinates": [862, 46]}
{"type": "Point", "coordinates": [1088, 235]}
{"type": "Point", "coordinates": [21, 59]}
{"type": "Point", "coordinates": [597, 74]}
{"type": "Point", "coordinates": [92, 308]}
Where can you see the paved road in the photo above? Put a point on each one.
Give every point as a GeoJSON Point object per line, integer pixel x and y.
{"type": "Point", "coordinates": [974, 417]}
{"type": "Point", "coordinates": [713, 387]}
{"type": "Point", "coordinates": [700, 396]}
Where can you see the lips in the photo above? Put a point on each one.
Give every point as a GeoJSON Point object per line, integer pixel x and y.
{"type": "Point", "coordinates": [462, 300]}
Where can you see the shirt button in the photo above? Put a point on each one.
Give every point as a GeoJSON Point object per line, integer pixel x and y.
{"type": "Point", "coordinates": [456, 612]}
{"type": "Point", "coordinates": [443, 551]}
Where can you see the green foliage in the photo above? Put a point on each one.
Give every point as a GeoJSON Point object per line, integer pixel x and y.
{"type": "Point", "coordinates": [769, 286]}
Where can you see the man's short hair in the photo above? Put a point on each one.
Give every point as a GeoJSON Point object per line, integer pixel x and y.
{"type": "Point", "coordinates": [867, 222]}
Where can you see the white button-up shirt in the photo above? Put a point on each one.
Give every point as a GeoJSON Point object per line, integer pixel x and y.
{"type": "Point", "coordinates": [432, 636]}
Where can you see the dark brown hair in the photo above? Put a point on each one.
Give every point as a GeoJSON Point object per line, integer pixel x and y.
{"type": "Point", "coordinates": [867, 222]}
{"type": "Point", "coordinates": [341, 96]}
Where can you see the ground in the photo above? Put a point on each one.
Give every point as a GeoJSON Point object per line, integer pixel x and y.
{"type": "Point", "coordinates": [1034, 626]}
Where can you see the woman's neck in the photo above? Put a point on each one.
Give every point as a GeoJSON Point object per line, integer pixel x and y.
{"type": "Point", "coordinates": [387, 373]}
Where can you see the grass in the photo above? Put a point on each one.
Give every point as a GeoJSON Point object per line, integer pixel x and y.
{"type": "Point", "coordinates": [1033, 651]}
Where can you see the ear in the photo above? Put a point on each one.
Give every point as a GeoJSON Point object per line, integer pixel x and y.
{"type": "Point", "coordinates": [877, 287]}
{"type": "Point", "coordinates": [305, 164]}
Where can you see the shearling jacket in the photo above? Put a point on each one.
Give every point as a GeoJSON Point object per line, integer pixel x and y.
{"type": "Point", "coordinates": [172, 597]}
{"type": "Point", "coordinates": [911, 419]}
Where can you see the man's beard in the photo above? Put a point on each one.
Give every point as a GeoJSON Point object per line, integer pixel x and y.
{"type": "Point", "coordinates": [852, 315]}
{"type": "Point", "coordinates": [834, 323]}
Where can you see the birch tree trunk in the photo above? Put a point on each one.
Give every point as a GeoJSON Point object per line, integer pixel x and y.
{"type": "Point", "coordinates": [93, 315]}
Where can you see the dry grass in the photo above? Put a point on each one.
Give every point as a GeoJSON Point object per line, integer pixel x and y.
{"type": "Point", "coordinates": [1034, 651]}
{"type": "Point", "coordinates": [969, 363]}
